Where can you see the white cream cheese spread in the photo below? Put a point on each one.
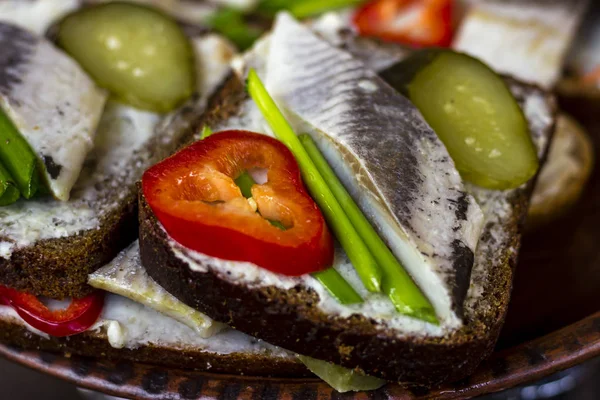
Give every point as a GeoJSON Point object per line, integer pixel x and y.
{"type": "Point", "coordinates": [131, 325]}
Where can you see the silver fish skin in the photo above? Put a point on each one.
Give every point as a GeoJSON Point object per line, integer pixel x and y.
{"type": "Point", "coordinates": [386, 155]}
{"type": "Point", "coordinates": [125, 276]}
{"type": "Point", "coordinates": [53, 103]}
{"type": "Point", "coordinates": [527, 39]}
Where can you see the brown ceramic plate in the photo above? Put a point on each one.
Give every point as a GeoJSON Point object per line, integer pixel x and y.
{"type": "Point", "coordinates": [553, 323]}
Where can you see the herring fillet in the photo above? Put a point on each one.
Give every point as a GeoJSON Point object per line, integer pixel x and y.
{"type": "Point", "coordinates": [36, 15]}
{"type": "Point", "coordinates": [53, 103]}
{"type": "Point", "coordinates": [527, 39]}
{"type": "Point", "coordinates": [391, 161]}
{"type": "Point", "coordinates": [125, 276]}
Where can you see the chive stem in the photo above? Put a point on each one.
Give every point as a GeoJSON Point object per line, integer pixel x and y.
{"type": "Point", "coordinates": [303, 8]}
{"type": "Point", "coordinates": [8, 191]}
{"type": "Point", "coordinates": [337, 286]}
{"type": "Point", "coordinates": [355, 248]}
{"type": "Point", "coordinates": [206, 132]}
{"type": "Point", "coordinates": [310, 8]}
{"type": "Point", "coordinates": [331, 279]}
{"type": "Point", "coordinates": [397, 283]}
{"type": "Point", "coordinates": [18, 158]}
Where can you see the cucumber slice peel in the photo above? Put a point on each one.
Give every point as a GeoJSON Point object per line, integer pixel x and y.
{"type": "Point", "coordinates": [473, 112]}
{"type": "Point", "coordinates": [140, 54]}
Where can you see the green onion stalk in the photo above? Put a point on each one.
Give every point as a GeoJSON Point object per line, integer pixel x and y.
{"type": "Point", "coordinates": [338, 221]}
{"type": "Point", "coordinates": [20, 164]}
{"type": "Point", "coordinates": [8, 190]}
{"type": "Point", "coordinates": [304, 8]}
{"type": "Point", "coordinates": [397, 283]}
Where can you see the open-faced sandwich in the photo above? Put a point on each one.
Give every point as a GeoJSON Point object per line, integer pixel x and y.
{"type": "Point", "coordinates": [344, 197]}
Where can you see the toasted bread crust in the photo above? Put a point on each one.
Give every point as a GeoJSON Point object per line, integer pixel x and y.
{"type": "Point", "coordinates": [58, 268]}
{"type": "Point", "coordinates": [95, 344]}
{"type": "Point", "coordinates": [293, 314]}
{"type": "Point", "coordinates": [291, 318]}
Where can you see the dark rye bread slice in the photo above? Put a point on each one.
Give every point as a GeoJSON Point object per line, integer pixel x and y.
{"type": "Point", "coordinates": [96, 344]}
{"type": "Point", "coordinates": [59, 267]}
{"type": "Point", "coordinates": [292, 319]}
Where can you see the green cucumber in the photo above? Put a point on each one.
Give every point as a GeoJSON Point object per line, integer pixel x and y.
{"type": "Point", "coordinates": [140, 54]}
{"type": "Point", "coordinates": [473, 112]}
{"type": "Point", "coordinates": [18, 159]}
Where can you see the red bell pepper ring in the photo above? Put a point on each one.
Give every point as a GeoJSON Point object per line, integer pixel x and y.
{"type": "Point", "coordinates": [418, 23]}
{"type": "Point", "coordinates": [77, 318]}
{"type": "Point", "coordinates": [195, 198]}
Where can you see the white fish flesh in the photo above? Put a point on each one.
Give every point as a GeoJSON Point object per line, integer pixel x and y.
{"type": "Point", "coordinates": [526, 39]}
{"type": "Point", "coordinates": [125, 276]}
{"type": "Point", "coordinates": [35, 15]}
{"type": "Point", "coordinates": [387, 156]}
{"type": "Point", "coordinates": [123, 148]}
{"type": "Point", "coordinates": [53, 103]}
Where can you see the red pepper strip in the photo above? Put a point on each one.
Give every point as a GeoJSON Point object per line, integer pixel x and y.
{"type": "Point", "coordinates": [419, 23]}
{"type": "Point", "coordinates": [194, 196]}
{"type": "Point", "coordinates": [77, 318]}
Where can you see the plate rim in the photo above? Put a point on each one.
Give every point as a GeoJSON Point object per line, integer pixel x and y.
{"type": "Point", "coordinates": [523, 363]}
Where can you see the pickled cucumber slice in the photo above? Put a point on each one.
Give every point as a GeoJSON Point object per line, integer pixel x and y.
{"type": "Point", "coordinates": [474, 114]}
{"type": "Point", "coordinates": [340, 378]}
{"type": "Point", "coordinates": [139, 54]}
{"type": "Point", "coordinates": [17, 158]}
